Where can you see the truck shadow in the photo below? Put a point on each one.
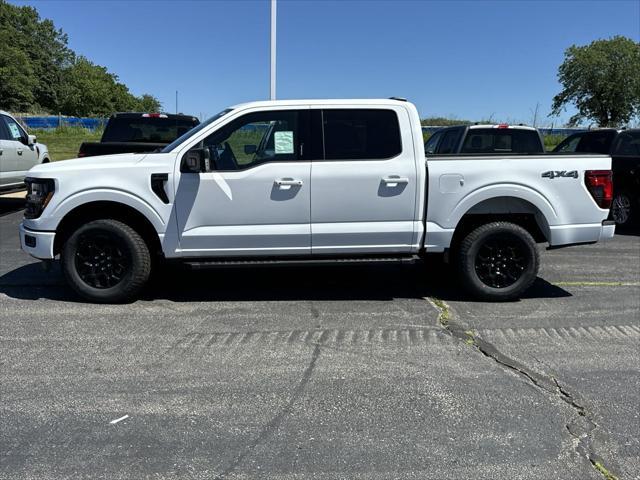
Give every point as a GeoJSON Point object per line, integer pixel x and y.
{"type": "Point", "coordinates": [367, 282]}
{"type": "Point", "coordinates": [631, 230]}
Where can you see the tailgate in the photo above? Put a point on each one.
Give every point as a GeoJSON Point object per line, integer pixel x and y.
{"type": "Point", "coordinates": [91, 149]}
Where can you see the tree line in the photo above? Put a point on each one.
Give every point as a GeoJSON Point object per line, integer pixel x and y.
{"type": "Point", "coordinates": [40, 73]}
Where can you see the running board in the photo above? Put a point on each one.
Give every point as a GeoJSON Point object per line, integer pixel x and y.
{"type": "Point", "coordinates": [202, 264]}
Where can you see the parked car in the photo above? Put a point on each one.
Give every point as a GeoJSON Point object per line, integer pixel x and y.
{"type": "Point", "coordinates": [485, 139]}
{"type": "Point", "coordinates": [138, 132]}
{"type": "Point", "coordinates": [19, 151]}
{"type": "Point", "coordinates": [311, 181]}
{"type": "Point", "coordinates": [624, 148]}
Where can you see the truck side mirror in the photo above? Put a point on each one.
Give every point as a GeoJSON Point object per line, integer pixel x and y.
{"type": "Point", "coordinates": [195, 160]}
{"type": "Point", "coordinates": [31, 140]}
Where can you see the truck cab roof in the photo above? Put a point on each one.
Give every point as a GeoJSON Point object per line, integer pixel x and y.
{"type": "Point", "coordinates": [322, 102]}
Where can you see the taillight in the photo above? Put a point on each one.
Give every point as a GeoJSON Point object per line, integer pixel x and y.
{"type": "Point", "coordinates": [600, 186]}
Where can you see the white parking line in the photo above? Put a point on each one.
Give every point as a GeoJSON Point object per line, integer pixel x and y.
{"type": "Point", "coordinates": [113, 422]}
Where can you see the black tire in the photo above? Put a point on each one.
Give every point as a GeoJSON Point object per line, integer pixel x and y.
{"type": "Point", "coordinates": [497, 261]}
{"type": "Point", "coordinates": [106, 261]}
{"type": "Point", "coordinates": [624, 208]}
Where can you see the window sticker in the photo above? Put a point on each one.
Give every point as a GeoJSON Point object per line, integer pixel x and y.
{"type": "Point", "coordinates": [283, 142]}
{"type": "Point", "coordinates": [15, 132]}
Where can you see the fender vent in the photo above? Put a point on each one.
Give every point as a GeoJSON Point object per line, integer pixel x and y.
{"type": "Point", "coordinates": [157, 185]}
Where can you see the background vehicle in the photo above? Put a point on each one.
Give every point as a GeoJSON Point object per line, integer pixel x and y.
{"type": "Point", "coordinates": [624, 148]}
{"type": "Point", "coordinates": [138, 132]}
{"type": "Point", "coordinates": [485, 139]}
{"type": "Point", "coordinates": [319, 181]}
{"type": "Point", "coordinates": [18, 152]}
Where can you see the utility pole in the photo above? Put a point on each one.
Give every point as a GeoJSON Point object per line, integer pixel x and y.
{"type": "Point", "coordinates": [176, 102]}
{"type": "Point", "coordinates": [273, 51]}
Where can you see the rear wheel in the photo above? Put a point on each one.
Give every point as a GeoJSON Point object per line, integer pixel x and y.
{"type": "Point", "coordinates": [498, 261]}
{"type": "Point", "coordinates": [622, 208]}
{"type": "Point", "coordinates": [106, 261]}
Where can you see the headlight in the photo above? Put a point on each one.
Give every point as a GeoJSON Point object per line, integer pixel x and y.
{"type": "Point", "coordinates": [39, 193]}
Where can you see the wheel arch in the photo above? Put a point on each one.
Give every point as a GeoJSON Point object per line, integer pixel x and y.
{"type": "Point", "coordinates": [507, 208]}
{"type": "Point", "coordinates": [107, 209]}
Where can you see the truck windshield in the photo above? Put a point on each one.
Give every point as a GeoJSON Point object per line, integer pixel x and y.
{"type": "Point", "coordinates": [193, 131]}
{"type": "Point", "coordinates": [147, 129]}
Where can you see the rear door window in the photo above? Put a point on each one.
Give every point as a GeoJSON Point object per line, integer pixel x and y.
{"type": "Point", "coordinates": [361, 134]}
{"type": "Point", "coordinates": [502, 140]}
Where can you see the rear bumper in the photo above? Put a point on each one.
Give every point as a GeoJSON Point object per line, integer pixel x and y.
{"type": "Point", "coordinates": [608, 230]}
{"type": "Point", "coordinates": [36, 243]}
{"type": "Point", "coordinates": [583, 233]}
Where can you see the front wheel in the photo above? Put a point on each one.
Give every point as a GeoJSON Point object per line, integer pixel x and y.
{"type": "Point", "coordinates": [498, 261]}
{"type": "Point", "coordinates": [106, 261]}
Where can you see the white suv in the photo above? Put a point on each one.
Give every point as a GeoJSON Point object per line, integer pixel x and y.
{"type": "Point", "coordinates": [18, 152]}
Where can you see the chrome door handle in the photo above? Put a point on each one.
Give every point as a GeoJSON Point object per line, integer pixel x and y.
{"type": "Point", "coordinates": [286, 183]}
{"type": "Point", "coordinates": [394, 180]}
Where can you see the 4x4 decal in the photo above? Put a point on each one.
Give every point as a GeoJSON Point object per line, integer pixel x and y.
{"type": "Point", "coordinates": [560, 173]}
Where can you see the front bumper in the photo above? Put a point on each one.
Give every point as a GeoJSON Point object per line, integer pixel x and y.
{"type": "Point", "coordinates": [38, 244]}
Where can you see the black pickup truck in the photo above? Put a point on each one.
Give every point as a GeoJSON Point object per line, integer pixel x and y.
{"type": "Point", "coordinates": [485, 140]}
{"type": "Point", "coordinates": [138, 132]}
{"type": "Point", "coordinates": [624, 148]}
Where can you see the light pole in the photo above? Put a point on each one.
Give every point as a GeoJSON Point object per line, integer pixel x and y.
{"type": "Point", "coordinates": [272, 83]}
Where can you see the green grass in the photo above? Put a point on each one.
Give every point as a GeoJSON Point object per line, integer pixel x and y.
{"type": "Point", "coordinates": [552, 141]}
{"type": "Point", "coordinates": [64, 142]}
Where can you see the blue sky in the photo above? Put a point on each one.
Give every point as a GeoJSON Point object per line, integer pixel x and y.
{"type": "Point", "coordinates": [464, 59]}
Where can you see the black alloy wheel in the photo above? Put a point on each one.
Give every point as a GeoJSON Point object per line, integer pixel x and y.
{"type": "Point", "coordinates": [501, 260]}
{"type": "Point", "coordinates": [621, 208]}
{"type": "Point", "coordinates": [106, 261]}
{"type": "Point", "coordinates": [102, 260]}
{"type": "Point", "coordinates": [497, 261]}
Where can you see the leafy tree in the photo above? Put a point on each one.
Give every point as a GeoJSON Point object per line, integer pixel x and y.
{"type": "Point", "coordinates": [16, 77]}
{"type": "Point", "coordinates": [149, 103]}
{"type": "Point", "coordinates": [38, 71]}
{"type": "Point", "coordinates": [45, 49]}
{"type": "Point", "coordinates": [90, 90]}
{"type": "Point", "coordinates": [602, 80]}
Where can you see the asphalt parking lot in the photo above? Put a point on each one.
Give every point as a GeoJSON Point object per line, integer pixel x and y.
{"type": "Point", "coordinates": [368, 372]}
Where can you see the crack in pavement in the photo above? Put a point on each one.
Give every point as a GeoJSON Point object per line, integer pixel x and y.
{"type": "Point", "coordinates": [275, 422]}
{"type": "Point", "coordinates": [580, 428]}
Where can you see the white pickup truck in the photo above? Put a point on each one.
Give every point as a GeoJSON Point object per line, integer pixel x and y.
{"type": "Point", "coordinates": [311, 181]}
